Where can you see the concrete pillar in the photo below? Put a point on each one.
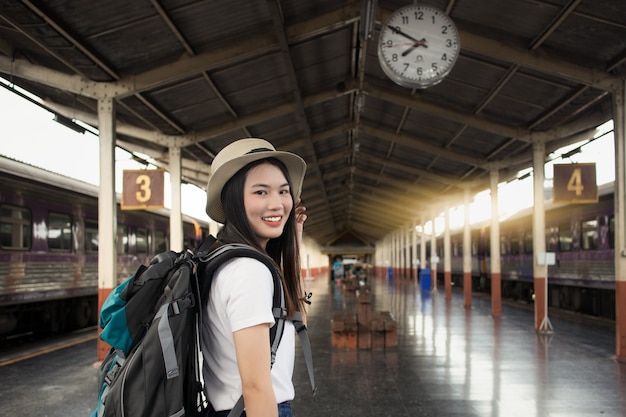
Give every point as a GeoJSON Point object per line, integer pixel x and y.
{"type": "Point", "coordinates": [176, 216]}
{"type": "Point", "coordinates": [447, 257]}
{"type": "Point", "coordinates": [433, 254]}
{"type": "Point", "coordinates": [467, 251]}
{"type": "Point", "coordinates": [107, 209]}
{"type": "Point", "coordinates": [619, 121]}
{"type": "Point", "coordinates": [540, 272]}
{"type": "Point", "coordinates": [494, 249]}
{"type": "Point", "coordinates": [415, 255]}
{"type": "Point", "coordinates": [423, 262]}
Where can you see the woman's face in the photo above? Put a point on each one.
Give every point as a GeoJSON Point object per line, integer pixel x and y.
{"type": "Point", "coordinates": [267, 201]}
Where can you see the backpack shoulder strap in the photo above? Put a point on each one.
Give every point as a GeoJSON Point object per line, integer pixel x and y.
{"type": "Point", "coordinates": [306, 346]}
{"type": "Point", "coordinates": [212, 260]}
{"type": "Point", "coordinates": [206, 244]}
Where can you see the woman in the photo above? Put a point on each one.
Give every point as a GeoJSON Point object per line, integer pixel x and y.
{"type": "Point", "coordinates": [253, 190]}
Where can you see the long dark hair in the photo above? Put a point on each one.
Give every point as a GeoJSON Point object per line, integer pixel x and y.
{"type": "Point", "coordinates": [283, 249]}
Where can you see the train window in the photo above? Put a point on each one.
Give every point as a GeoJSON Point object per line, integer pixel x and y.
{"type": "Point", "coordinates": [516, 247]}
{"type": "Point", "coordinates": [457, 250]}
{"type": "Point", "coordinates": [475, 242]}
{"type": "Point", "coordinates": [122, 239]}
{"type": "Point", "coordinates": [612, 232]}
{"type": "Point", "coordinates": [528, 243]}
{"type": "Point", "coordinates": [142, 240]}
{"type": "Point", "coordinates": [487, 243]}
{"type": "Point", "coordinates": [552, 239]}
{"type": "Point", "coordinates": [160, 244]}
{"type": "Point", "coordinates": [15, 227]}
{"type": "Point", "coordinates": [59, 232]}
{"type": "Point", "coordinates": [91, 236]}
{"type": "Point", "coordinates": [566, 238]}
{"type": "Point", "coordinates": [504, 245]}
{"type": "Point", "coordinates": [606, 234]}
{"type": "Point", "coordinates": [589, 235]}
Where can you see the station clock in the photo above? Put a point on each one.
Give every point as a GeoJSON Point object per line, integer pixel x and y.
{"type": "Point", "coordinates": [418, 46]}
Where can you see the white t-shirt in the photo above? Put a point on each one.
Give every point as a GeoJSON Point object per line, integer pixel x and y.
{"type": "Point", "coordinates": [241, 296]}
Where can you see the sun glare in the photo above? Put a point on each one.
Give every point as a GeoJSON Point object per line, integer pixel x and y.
{"type": "Point", "coordinates": [517, 194]}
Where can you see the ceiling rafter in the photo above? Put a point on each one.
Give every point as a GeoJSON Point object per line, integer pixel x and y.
{"type": "Point", "coordinates": [361, 175]}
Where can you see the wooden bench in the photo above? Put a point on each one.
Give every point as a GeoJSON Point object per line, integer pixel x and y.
{"type": "Point", "coordinates": [384, 329]}
{"type": "Point", "coordinates": [364, 315]}
{"type": "Point", "coordinates": [344, 328]}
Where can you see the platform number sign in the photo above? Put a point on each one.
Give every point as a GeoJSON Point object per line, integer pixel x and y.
{"type": "Point", "coordinates": [143, 189]}
{"type": "Point", "coordinates": [575, 183]}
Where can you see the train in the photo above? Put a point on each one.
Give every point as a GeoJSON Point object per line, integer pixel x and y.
{"type": "Point", "coordinates": [582, 238]}
{"type": "Point", "coordinates": [49, 249]}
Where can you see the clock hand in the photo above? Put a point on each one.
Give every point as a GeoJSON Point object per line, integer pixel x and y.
{"type": "Point", "coordinates": [415, 45]}
{"type": "Point", "coordinates": [399, 32]}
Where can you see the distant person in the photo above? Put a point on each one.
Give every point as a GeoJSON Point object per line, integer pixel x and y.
{"type": "Point", "coordinates": [254, 191]}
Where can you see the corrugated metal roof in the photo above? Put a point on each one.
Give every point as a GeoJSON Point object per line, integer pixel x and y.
{"type": "Point", "coordinates": [300, 74]}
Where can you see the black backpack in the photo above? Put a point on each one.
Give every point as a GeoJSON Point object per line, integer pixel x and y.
{"type": "Point", "coordinates": [152, 322]}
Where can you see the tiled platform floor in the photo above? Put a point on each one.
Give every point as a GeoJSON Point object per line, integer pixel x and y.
{"type": "Point", "coordinates": [457, 361]}
{"type": "Point", "coordinates": [450, 361]}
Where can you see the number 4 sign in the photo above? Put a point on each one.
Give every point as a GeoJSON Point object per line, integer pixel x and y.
{"type": "Point", "coordinates": [575, 183]}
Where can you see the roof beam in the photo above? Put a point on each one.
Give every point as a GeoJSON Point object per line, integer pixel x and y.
{"type": "Point", "coordinates": [409, 169]}
{"type": "Point", "coordinates": [422, 145]}
{"type": "Point", "coordinates": [537, 60]}
{"type": "Point", "coordinates": [475, 121]}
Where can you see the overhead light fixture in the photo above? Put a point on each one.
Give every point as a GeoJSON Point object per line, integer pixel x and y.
{"type": "Point", "coordinates": [139, 159]}
{"type": "Point", "coordinates": [69, 123]}
{"type": "Point", "coordinates": [572, 152]}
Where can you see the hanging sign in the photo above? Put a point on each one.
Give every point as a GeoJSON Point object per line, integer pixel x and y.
{"type": "Point", "coordinates": [143, 189]}
{"type": "Point", "coordinates": [575, 183]}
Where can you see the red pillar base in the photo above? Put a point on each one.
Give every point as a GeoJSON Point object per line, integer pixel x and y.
{"type": "Point", "coordinates": [540, 303]}
{"type": "Point", "coordinates": [103, 348]}
{"type": "Point", "coordinates": [620, 320]}
{"type": "Point", "coordinates": [496, 294]}
{"type": "Point", "coordinates": [447, 283]}
{"type": "Point", "coordinates": [467, 289]}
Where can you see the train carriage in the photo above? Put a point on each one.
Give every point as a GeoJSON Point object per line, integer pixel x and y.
{"type": "Point", "coordinates": [49, 248]}
{"type": "Point", "coordinates": [581, 236]}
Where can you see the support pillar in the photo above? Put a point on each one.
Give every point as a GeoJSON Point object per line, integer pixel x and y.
{"type": "Point", "coordinates": [494, 248]}
{"type": "Point", "coordinates": [176, 217]}
{"type": "Point", "coordinates": [540, 272]}
{"type": "Point", "coordinates": [619, 122]}
{"type": "Point", "coordinates": [396, 254]}
{"type": "Point", "coordinates": [433, 254]}
{"type": "Point", "coordinates": [406, 252]}
{"type": "Point", "coordinates": [467, 251]}
{"type": "Point", "coordinates": [107, 209]}
{"type": "Point", "coordinates": [415, 258]}
{"type": "Point", "coordinates": [447, 257]}
{"type": "Point", "coordinates": [423, 262]}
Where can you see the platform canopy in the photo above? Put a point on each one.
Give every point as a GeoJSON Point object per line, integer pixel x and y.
{"type": "Point", "coordinates": [305, 74]}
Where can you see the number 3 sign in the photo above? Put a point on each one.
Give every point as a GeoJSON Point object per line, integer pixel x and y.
{"type": "Point", "coordinates": [575, 183]}
{"type": "Point", "coordinates": [143, 189]}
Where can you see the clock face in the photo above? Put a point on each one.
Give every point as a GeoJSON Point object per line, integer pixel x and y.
{"type": "Point", "coordinates": [418, 46]}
